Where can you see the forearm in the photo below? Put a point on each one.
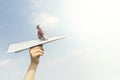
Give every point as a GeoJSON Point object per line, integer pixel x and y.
{"type": "Point", "coordinates": [35, 53]}
{"type": "Point", "coordinates": [31, 71]}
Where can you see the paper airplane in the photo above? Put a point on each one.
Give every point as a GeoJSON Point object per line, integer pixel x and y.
{"type": "Point", "coordinates": [17, 47]}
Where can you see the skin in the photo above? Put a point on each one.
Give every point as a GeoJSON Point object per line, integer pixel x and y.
{"type": "Point", "coordinates": [35, 53]}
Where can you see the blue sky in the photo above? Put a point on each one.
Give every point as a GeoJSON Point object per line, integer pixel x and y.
{"type": "Point", "coordinates": [89, 52]}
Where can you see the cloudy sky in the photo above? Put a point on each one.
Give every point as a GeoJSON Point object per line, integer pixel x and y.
{"type": "Point", "coordinates": [90, 51]}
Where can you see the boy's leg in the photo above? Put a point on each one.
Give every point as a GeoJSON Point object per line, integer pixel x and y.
{"type": "Point", "coordinates": [45, 38]}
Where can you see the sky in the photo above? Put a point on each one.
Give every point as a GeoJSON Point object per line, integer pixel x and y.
{"type": "Point", "coordinates": [90, 51]}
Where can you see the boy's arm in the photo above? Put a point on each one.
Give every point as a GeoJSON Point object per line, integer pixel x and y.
{"type": "Point", "coordinates": [35, 53]}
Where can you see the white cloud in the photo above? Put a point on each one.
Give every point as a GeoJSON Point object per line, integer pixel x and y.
{"type": "Point", "coordinates": [4, 63]}
{"type": "Point", "coordinates": [13, 69]}
{"type": "Point", "coordinates": [56, 61]}
{"type": "Point", "coordinates": [11, 62]}
{"type": "Point", "coordinates": [100, 64]}
{"type": "Point", "coordinates": [78, 54]}
{"type": "Point", "coordinates": [45, 19]}
{"type": "Point", "coordinates": [37, 3]}
{"type": "Point", "coordinates": [39, 15]}
{"type": "Point", "coordinates": [96, 56]}
{"type": "Point", "coordinates": [90, 55]}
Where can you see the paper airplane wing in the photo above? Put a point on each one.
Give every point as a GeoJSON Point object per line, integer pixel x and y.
{"type": "Point", "coordinates": [17, 47]}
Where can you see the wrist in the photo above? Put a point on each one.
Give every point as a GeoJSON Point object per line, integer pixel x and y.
{"type": "Point", "coordinates": [33, 66]}
{"type": "Point", "coordinates": [34, 63]}
{"type": "Point", "coordinates": [35, 60]}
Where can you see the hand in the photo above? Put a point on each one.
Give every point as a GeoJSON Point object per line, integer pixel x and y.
{"type": "Point", "coordinates": [35, 53]}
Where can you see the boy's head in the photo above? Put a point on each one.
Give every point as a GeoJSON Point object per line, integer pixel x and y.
{"type": "Point", "coordinates": [38, 26]}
